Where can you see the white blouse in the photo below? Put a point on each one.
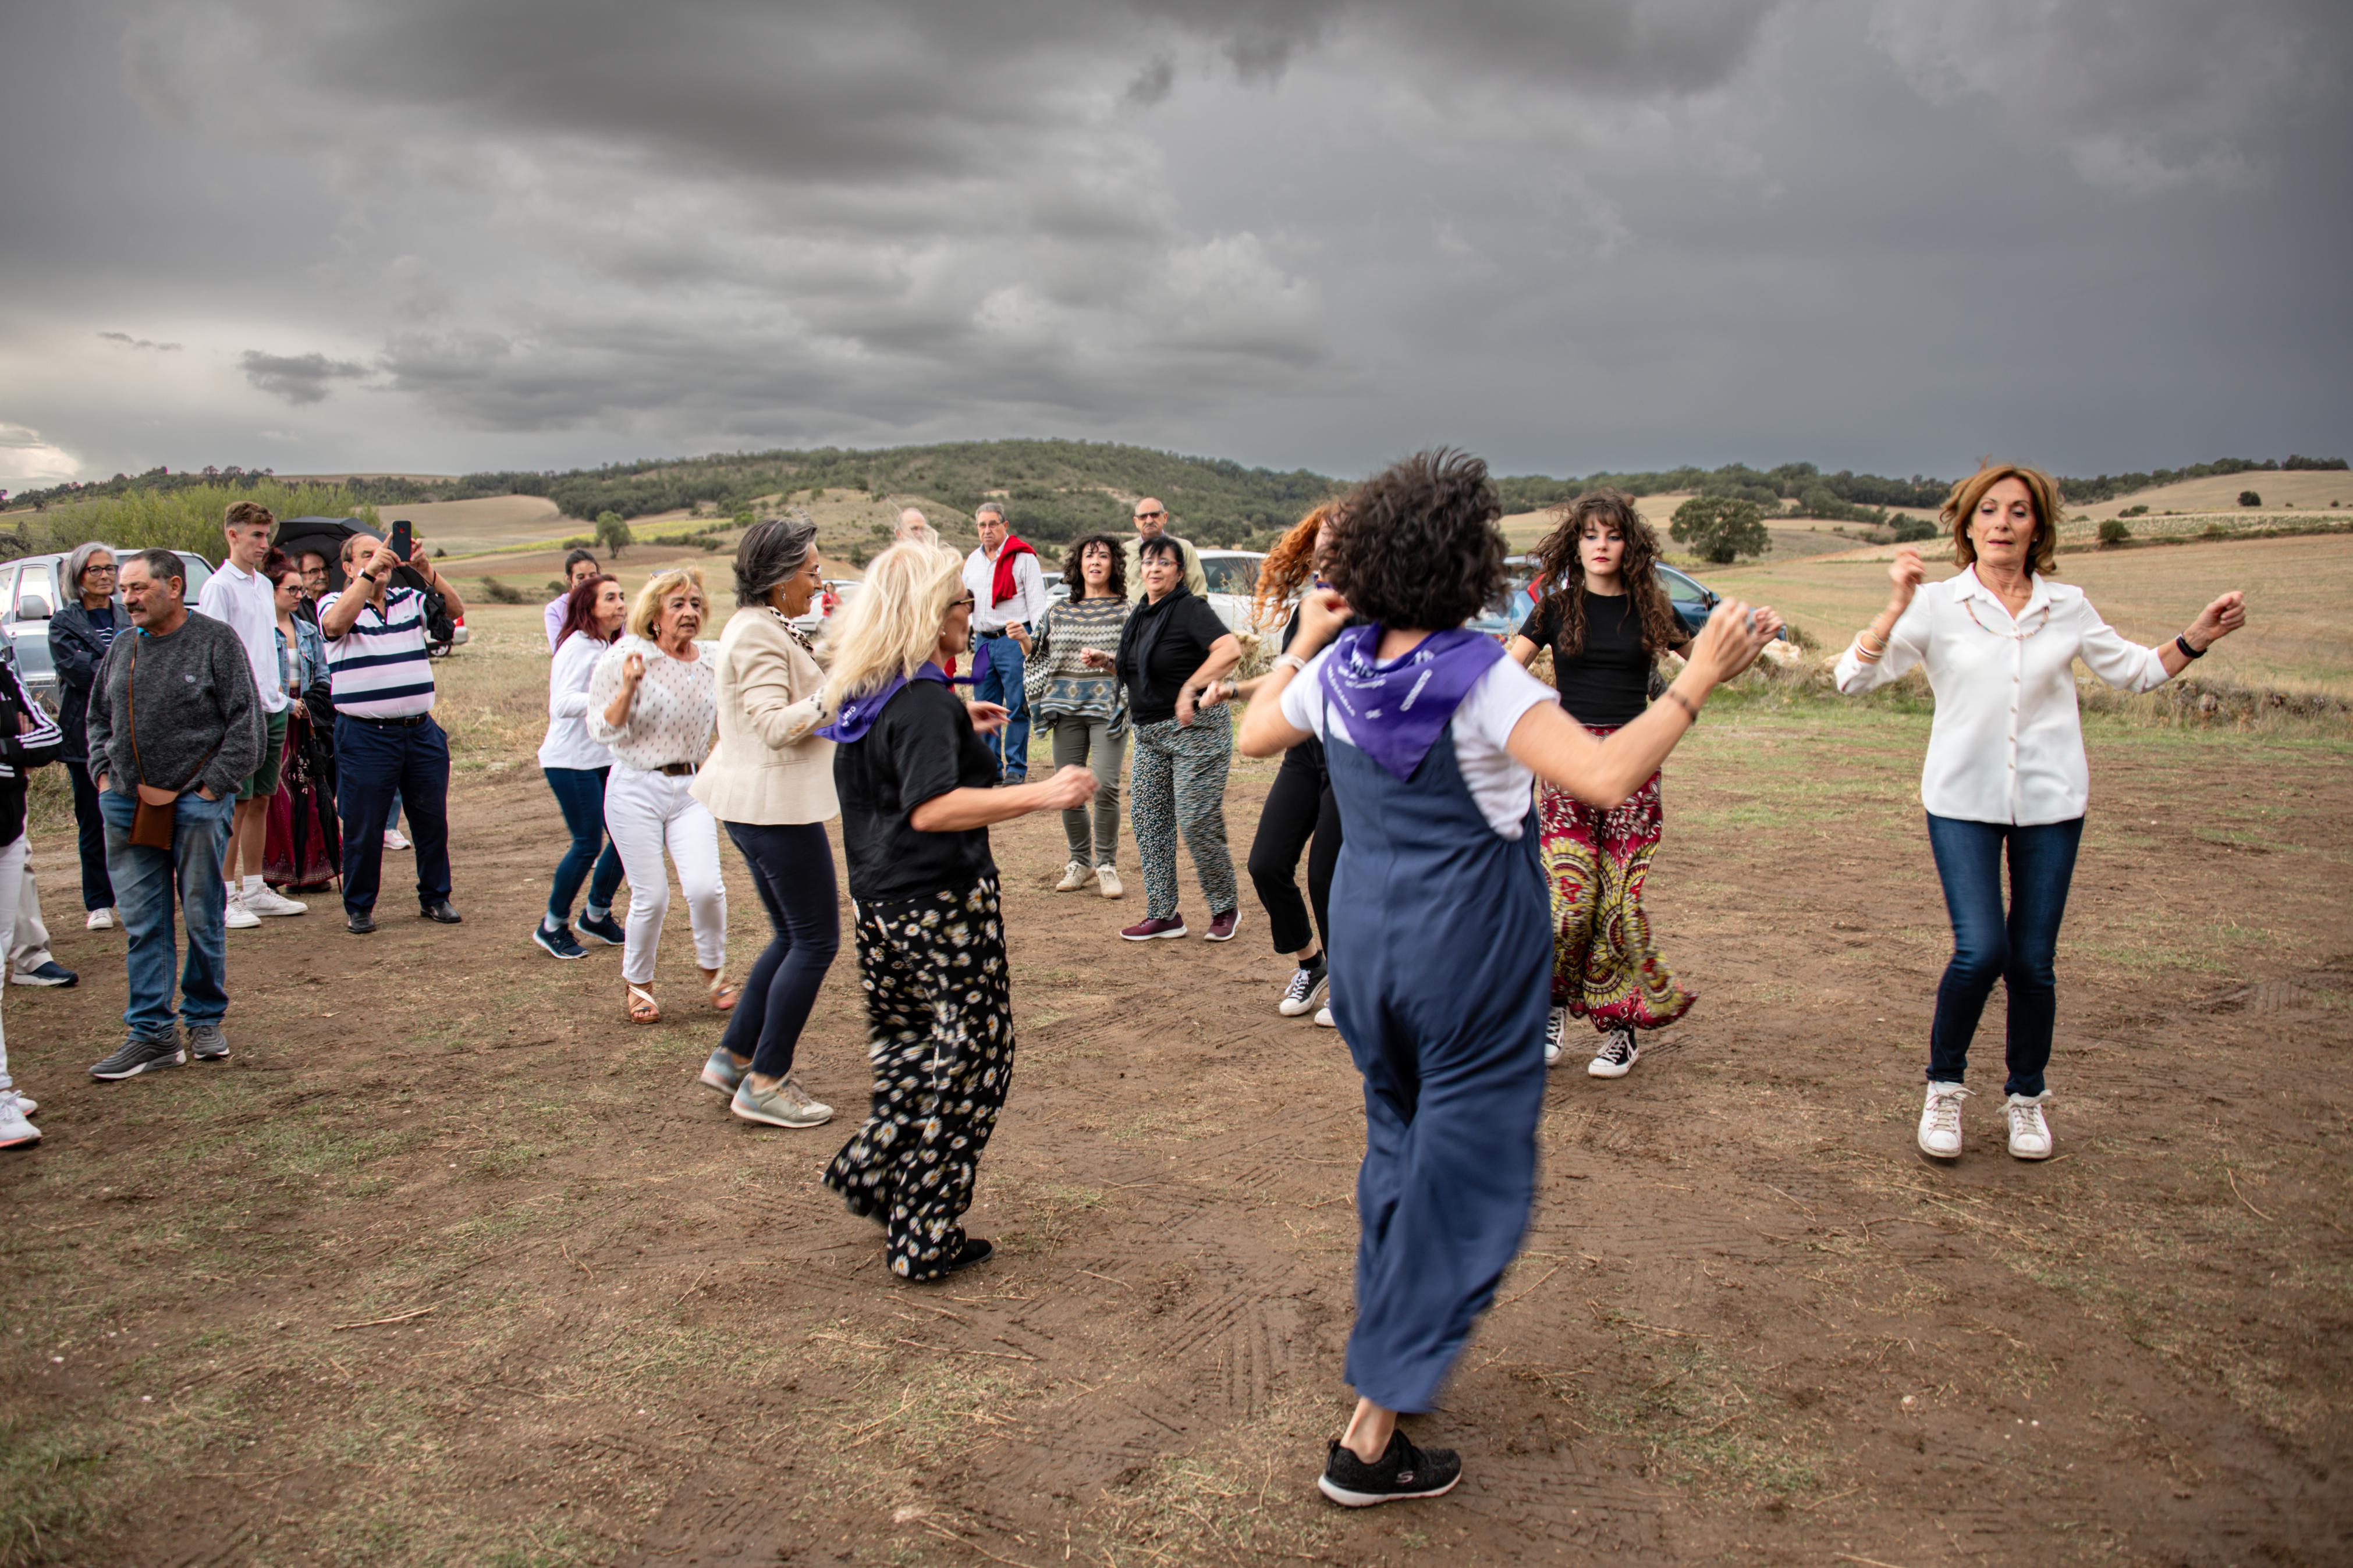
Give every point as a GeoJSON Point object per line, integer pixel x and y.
{"type": "Point", "coordinates": [569, 743]}
{"type": "Point", "coordinates": [2007, 744]}
{"type": "Point", "coordinates": [675, 712]}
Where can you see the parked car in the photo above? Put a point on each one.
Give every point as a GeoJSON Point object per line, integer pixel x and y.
{"type": "Point", "coordinates": [1234, 579]}
{"type": "Point", "coordinates": [1692, 600]}
{"type": "Point", "coordinates": [29, 596]}
{"type": "Point", "coordinates": [833, 593]}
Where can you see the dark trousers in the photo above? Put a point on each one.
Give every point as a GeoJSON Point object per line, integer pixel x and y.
{"type": "Point", "coordinates": [1300, 815]}
{"type": "Point", "coordinates": [792, 870]}
{"type": "Point", "coordinates": [580, 795]}
{"type": "Point", "coordinates": [89, 833]}
{"type": "Point", "coordinates": [2016, 947]}
{"type": "Point", "coordinates": [376, 760]}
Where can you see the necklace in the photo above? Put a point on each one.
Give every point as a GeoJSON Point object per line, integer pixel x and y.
{"type": "Point", "coordinates": [2013, 633]}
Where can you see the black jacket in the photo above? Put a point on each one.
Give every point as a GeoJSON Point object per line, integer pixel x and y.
{"type": "Point", "coordinates": [76, 650]}
{"type": "Point", "coordinates": [28, 739]}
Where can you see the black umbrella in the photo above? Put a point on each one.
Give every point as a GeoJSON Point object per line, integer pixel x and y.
{"type": "Point", "coordinates": [325, 536]}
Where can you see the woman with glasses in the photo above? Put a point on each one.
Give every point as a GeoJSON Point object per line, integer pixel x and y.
{"type": "Point", "coordinates": [1084, 708]}
{"type": "Point", "coordinates": [81, 632]}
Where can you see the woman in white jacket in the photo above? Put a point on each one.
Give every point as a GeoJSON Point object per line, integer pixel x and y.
{"type": "Point", "coordinates": [2006, 777]}
{"type": "Point", "coordinates": [575, 766]}
{"type": "Point", "coordinates": [651, 702]}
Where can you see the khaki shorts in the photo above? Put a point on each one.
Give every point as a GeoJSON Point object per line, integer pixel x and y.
{"type": "Point", "coordinates": [264, 782]}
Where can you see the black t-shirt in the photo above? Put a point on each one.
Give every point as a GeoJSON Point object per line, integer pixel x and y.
{"type": "Point", "coordinates": [921, 747]}
{"type": "Point", "coordinates": [1173, 637]}
{"type": "Point", "coordinates": [1609, 680]}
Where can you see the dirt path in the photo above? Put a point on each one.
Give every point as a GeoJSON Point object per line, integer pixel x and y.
{"type": "Point", "coordinates": [1750, 1325]}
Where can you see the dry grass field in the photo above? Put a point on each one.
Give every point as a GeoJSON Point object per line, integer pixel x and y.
{"type": "Point", "coordinates": [449, 1265]}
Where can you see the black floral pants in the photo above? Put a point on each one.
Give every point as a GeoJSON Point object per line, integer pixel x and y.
{"type": "Point", "coordinates": [939, 1010]}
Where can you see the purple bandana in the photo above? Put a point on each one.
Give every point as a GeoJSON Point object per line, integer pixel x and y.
{"type": "Point", "coordinates": [1394, 712]}
{"type": "Point", "coordinates": [858, 714]}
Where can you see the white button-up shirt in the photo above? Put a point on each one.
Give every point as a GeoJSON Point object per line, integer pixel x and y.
{"type": "Point", "coordinates": [2007, 744]}
{"type": "Point", "coordinates": [1027, 603]}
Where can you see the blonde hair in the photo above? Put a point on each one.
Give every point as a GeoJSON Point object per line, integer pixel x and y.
{"type": "Point", "coordinates": [2043, 493]}
{"type": "Point", "coordinates": [892, 623]}
{"type": "Point", "coordinates": [647, 610]}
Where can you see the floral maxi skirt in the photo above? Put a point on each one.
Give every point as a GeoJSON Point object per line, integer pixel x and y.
{"type": "Point", "coordinates": [1603, 966]}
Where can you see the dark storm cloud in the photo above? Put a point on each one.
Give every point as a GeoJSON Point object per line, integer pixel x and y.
{"type": "Point", "coordinates": [1316, 231]}
{"type": "Point", "coordinates": [297, 378]}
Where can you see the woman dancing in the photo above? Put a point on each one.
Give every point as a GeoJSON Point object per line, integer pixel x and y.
{"type": "Point", "coordinates": [577, 766]}
{"type": "Point", "coordinates": [2006, 777]}
{"type": "Point", "coordinates": [1441, 936]}
{"type": "Point", "coordinates": [1605, 620]}
{"type": "Point", "coordinates": [1086, 706]}
{"type": "Point", "coordinates": [915, 785]}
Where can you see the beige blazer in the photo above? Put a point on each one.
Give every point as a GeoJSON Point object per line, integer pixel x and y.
{"type": "Point", "coordinates": [768, 767]}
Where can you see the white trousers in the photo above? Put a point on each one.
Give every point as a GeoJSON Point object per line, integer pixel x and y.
{"type": "Point", "coordinates": [15, 877]}
{"type": "Point", "coordinates": [647, 813]}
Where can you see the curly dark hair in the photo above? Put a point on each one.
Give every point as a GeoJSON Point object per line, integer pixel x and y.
{"type": "Point", "coordinates": [1562, 569]}
{"type": "Point", "coordinates": [1075, 579]}
{"type": "Point", "coordinates": [1416, 548]}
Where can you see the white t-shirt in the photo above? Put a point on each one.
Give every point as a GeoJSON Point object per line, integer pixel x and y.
{"type": "Point", "coordinates": [1481, 728]}
{"type": "Point", "coordinates": [248, 603]}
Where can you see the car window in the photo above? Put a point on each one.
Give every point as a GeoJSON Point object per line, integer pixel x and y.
{"type": "Point", "coordinates": [1231, 573]}
{"type": "Point", "coordinates": [1686, 595]}
{"type": "Point", "coordinates": [199, 569]}
{"type": "Point", "coordinates": [38, 578]}
{"type": "Point", "coordinates": [9, 589]}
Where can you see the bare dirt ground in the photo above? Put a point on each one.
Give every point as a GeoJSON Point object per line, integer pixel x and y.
{"type": "Point", "coordinates": [451, 1265]}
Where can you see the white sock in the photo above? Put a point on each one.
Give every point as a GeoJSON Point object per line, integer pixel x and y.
{"type": "Point", "coordinates": [551, 925]}
{"type": "Point", "coordinates": [253, 884]}
{"type": "Point", "coordinates": [234, 891]}
{"type": "Point", "coordinates": [590, 911]}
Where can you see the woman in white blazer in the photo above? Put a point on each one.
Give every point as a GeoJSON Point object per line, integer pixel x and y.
{"type": "Point", "coordinates": [770, 781]}
{"type": "Point", "coordinates": [2006, 777]}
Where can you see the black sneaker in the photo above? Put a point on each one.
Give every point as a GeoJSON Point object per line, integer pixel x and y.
{"type": "Point", "coordinates": [974, 1250]}
{"type": "Point", "coordinates": [1404, 1471]}
{"type": "Point", "coordinates": [1310, 984]}
{"type": "Point", "coordinates": [607, 931]}
{"type": "Point", "coordinates": [557, 944]}
{"type": "Point", "coordinates": [207, 1042]}
{"type": "Point", "coordinates": [139, 1054]}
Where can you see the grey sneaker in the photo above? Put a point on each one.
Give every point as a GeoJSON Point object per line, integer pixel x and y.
{"type": "Point", "coordinates": [207, 1043]}
{"type": "Point", "coordinates": [786, 1105]}
{"type": "Point", "coordinates": [721, 1073]}
{"type": "Point", "coordinates": [139, 1054]}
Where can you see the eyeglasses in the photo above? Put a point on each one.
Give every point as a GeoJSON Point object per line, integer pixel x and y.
{"type": "Point", "coordinates": [966, 603]}
{"type": "Point", "coordinates": [1148, 516]}
{"type": "Point", "coordinates": [94, 570]}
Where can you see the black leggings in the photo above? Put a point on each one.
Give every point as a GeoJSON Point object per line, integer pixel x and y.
{"type": "Point", "coordinates": [1300, 815]}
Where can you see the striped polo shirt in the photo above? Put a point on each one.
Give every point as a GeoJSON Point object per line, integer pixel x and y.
{"type": "Point", "coordinates": [379, 668]}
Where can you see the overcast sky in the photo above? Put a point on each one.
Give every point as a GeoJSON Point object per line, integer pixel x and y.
{"type": "Point", "coordinates": [1895, 235]}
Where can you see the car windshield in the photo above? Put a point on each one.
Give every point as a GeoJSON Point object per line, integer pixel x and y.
{"type": "Point", "coordinates": [1231, 573]}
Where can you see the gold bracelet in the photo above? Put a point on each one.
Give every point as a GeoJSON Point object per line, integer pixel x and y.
{"type": "Point", "coordinates": [1689, 706]}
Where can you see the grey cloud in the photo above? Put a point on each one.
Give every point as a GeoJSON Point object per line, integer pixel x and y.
{"type": "Point", "coordinates": [297, 378]}
{"type": "Point", "coordinates": [127, 340]}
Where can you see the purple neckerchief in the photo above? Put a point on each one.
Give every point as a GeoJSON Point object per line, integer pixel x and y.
{"type": "Point", "coordinates": [858, 714]}
{"type": "Point", "coordinates": [980, 662]}
{"type": "Point", "coordinates": [1394, 712]}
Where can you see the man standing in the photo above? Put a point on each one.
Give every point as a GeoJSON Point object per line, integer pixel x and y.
{"type": "Point", "coordinates": [1152, 522]}
{"type": "Point", "coordinates": [386, 742]}
{"type": "Point", "coordinates": [241, 598]}
{"type": "Point", "coordinates": [173, 708]}
{"type": "Point", "coordinates": [1008, 594]}
{"type": "Point", "coordinates": [912, 525]}
{"type": "Point", "coordinates": [578, 567]}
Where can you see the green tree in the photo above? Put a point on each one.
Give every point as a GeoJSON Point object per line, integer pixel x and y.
{"type": "Point", "coordinates": [1721, 529]}
{"type": "Point", "coordinates": [2249, 498]}
{"type": "Point", "coordinates": [613, 534]}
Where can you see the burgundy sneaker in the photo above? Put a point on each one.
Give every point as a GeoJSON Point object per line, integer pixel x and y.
{"type": "Point", "coordinates": [1221, 927]}
{"type": "Point", "coordinates": [1157, 925]}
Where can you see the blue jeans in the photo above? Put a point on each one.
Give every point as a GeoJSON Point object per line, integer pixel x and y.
{"type": "Point", "coordinates": [1002, 684]}
{"type": "Point", "coordinates": [792, 868]}
{"type": "Point", "coordinates": [377, 763]}
{"type": "Point", "coordinates": [89, 835]}
{"type": "Point", "coordinates": [2017, 947]}
{"type": "Point", "coordinates": [146, 882]}
{"type": "Point", "coordinates": [580, 794]}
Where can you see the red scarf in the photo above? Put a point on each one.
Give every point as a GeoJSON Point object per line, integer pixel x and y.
{"type": "Point", "coordinates": [1001, 587]}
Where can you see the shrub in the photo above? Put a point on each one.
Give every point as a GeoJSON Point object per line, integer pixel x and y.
{"type": "Point", "coordinates": [2141, 510]}
{"type": "Point", "coordinates": [1721, 529]}
{"type": "Point", "coordinates": [1907, 530]}
{"type": "Point", "coordinates": [499, 593]}
{"type": "Point", "coordinates": [2114, 532]}
{"type": "Point", "coordinates": [2249, 498]}
{"type": "Point", "coordinates": [579, 541]}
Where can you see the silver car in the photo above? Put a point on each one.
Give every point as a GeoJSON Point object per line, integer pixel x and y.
{"type": "Point", "coordinates": [29, 596]}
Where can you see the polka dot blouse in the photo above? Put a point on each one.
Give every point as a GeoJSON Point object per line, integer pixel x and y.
{"type": "Point", "coordinates": [675, 712]}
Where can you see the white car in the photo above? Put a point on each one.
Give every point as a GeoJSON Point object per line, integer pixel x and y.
{"type": "Point", "coordinates": [1233, 578]}
{"type": "Point", "coordinates": [833, 593]}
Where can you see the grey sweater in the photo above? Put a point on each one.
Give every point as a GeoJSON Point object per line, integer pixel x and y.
{"type": "Point", "coordinates": [195, 701]}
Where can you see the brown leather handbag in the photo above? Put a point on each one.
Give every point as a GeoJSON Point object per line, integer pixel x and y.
{"type": "Point", "coordinates": [152, 818]}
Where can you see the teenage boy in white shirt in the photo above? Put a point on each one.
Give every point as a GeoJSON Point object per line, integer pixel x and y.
{"type": "Point", "coordinates": [239, 596]}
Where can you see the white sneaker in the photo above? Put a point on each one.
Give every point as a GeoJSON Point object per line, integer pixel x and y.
{"type": "Point", "coordinates": [1940, 1122]}
{"type": "Point", "coordinates": [270, 901]}
{"type": "Point", "coordinates": [99, 919]}
{"type": "Point", "coordinates": [1107, 883]}
{"type": "Point", "coordinates": [2030, 1135]}
{"type": "Point", "coordinates": [16, 1130]}
{"type": "Point", "coordinates": [392, 840]}
{"type": "Point", "coordinates": [1555, 1027]}
{"type": "Point", "coordinates": [1075, 875]}
{"type": "Point", "coordinates": [237, 917]}
{"type": "Point", "coordinates": [1323, 1018]}
{"type": "Point", "coordinates": [27, 1104]}
{"type": "Point", "coordinates": [1617, 1056]}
